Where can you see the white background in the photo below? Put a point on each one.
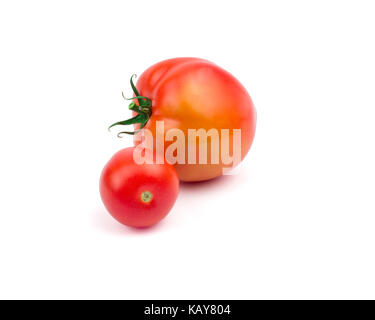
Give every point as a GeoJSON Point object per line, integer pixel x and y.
{"type": "Point", "coordinates": [296, 222]}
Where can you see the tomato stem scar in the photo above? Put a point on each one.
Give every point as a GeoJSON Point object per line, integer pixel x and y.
{"type": "Point", "coordinates": [146, 196]}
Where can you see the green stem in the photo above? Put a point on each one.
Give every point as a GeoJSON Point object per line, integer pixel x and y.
{"type": "Point", "coordinates": [143, 110]}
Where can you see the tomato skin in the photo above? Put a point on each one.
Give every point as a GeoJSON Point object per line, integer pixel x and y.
{"type": "Point", "coordinates": [192, 93]}
{"type": "Point", "coordinates": [123, 183]}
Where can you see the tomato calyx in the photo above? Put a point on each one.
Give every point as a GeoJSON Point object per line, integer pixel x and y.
{"type": "Point", "coordinates": [143, 110]}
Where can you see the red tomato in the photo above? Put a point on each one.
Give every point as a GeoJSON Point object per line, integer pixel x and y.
{"type": "Point", "coordinates": [192, 93]}
{"type": "Point", "coordinates": [138, 195]}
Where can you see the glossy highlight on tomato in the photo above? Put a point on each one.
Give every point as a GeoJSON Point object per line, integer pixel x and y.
{"type": "Point", "coordinates": [138, 195]}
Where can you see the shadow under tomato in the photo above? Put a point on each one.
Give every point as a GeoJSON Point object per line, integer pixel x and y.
{"type": "Point", "coordinates": [209, 185]}
{"type": "Point", "coordinates": [103, 221]}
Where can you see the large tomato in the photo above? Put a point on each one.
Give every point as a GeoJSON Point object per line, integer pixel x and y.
{"type": "Point", "coordinates": [192, 93]}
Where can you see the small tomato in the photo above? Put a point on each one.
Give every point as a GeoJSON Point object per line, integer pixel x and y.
{"type": "Point", "coordinates": [138, 195]}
